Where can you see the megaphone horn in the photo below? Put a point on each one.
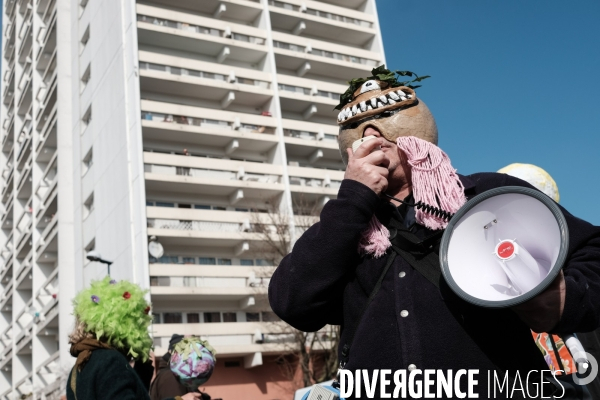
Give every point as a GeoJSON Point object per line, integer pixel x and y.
{"type": "Point", "coordinates": [504, 247]}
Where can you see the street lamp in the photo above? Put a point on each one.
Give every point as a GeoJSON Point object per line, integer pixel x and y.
{"type": "Point", "coordinates": [95, 256]}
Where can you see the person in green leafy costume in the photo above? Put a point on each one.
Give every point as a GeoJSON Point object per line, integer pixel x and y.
{"type": "Point", "coordinates": [111, 331]}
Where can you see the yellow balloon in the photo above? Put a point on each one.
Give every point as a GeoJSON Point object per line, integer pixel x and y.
{"type": "Point", "coordinates": [536, 176]}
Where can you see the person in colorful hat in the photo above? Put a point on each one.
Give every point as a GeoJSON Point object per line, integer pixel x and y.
{"type": "Point", "coordinates": [399, 192]}
{"type": "Point", "coordinates": [111, 330]}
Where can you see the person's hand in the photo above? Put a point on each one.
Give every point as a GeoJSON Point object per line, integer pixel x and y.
{"type": "Point", "coordinates": [544, 311]}
{"type": "Point", "coordinates": [368, 167]}
{"type": "Point", "coordinates": [192, 396]}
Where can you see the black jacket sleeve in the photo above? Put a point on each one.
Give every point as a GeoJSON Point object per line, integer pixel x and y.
{"type": "Point", "coordinates": [306, 289]}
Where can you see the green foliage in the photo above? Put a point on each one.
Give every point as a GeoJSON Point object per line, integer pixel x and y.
{"type": "Point", "coordinates": [118, 314]}
{"type": "Point", "coordinates": [382, 74]}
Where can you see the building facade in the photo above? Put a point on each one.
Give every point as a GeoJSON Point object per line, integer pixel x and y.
{"type": "Point", "coordinates": [180, 122]}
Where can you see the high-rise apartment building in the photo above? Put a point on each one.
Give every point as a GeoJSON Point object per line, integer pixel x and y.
{"type": "Point", "coordinates": [180, 122]}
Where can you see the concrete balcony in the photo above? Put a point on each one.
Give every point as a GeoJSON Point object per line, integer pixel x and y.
{"type": "Point", "coordinates": [214, 128]}
{"type": "Point", "coordinates": [48, 372]}
{"type": "Point", "coordinates": [303, 99]}
{"type": "Point", "coordinates": [232, 237]}
{"type": "Point", "coordinates": [204, 283]}
{"type": "Point", "coordinates": [194, 82]}
{"type": "Point", "coordinates": [237, 10]}
{"type": "Point", "coordinates": [349, 4]}
{"type": "Point", "coordinates": [311, 56]}
{"type": "Point", "coordinates": [232, 180]}
{"type": "Point", "coordinates": [47, 42]}
{"type": "Point", "coordinates": [230, 339]}
{"type": "Point", "coordinates": [312, 184]}
{"type": "Point", "coordinates": [329, 22]}
{"type": "Point", "coordinates": [189, 33]}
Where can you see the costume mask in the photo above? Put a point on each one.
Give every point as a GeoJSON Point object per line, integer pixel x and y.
{"type": "Point", "coordinates": [390, 106]}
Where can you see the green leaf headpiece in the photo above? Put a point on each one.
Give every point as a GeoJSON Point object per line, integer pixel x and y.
{"type": "Point", "coordinates": [381, 74]}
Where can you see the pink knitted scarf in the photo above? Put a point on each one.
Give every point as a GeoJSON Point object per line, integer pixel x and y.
{"type": "Point", "coordinates": [434, 182]}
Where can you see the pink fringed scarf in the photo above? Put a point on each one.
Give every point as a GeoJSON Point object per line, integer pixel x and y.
{"type": "Point", "coordinates": [434, 182]}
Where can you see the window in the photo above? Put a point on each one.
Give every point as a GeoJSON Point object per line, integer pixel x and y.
{"type": "Point", "coordinates": [189, 260]}
{"type": "Point", "coordinates": [252, 317]}
{"type": "Point", "coordinates": [85, 78]}
{"type": "Point", "coordinates": [224, 261]}
{"type": "Point", "coordinates": [232, 364]}
{"type": "Point", "coordinates": [172, 318]}
{"type": "Point", "coordinates": [84, 39]}
{"type": "Point", "coordinates": [193, 318]}
{"type": "Point", "coordinates": [201, 207]}
{"type": "Point", "coordinates": [87, 162]}
{"type": "Point", "coordinates": [184, 205]}
{"type": "Point", "coordinates": [207, 261]}
{"type": "Point", "coordinates": [163, 204]}
{"type": "Point", "coordinates": [246, 262]}
{"type": "Point", "coordinates": [269, 316]}
{"type": "Point", "coordinates": [212, 317]}
{"type": "Point", "coordinates": [154, 281]}
{"type": "Point", "coordinates": [156, 318]}
{"type": "Point", "coordinates": [229, 317]}
{"type": "Point", "coordinates": [88, 206]}
{"type": "Point", "coordinates": [263, 263]}
{"type": "Point", "coordinates": [169, 260]}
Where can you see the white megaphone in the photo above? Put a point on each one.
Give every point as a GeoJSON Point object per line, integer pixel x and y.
{"type": "Point", "coordinates": [504, 247]}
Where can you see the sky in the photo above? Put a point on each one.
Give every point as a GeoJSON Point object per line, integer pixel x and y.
{"type": "Point", "coordinates": [511, 82]}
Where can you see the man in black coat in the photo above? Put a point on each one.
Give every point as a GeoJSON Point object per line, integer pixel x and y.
{"type": "Point", "coordinates": [410, 324]}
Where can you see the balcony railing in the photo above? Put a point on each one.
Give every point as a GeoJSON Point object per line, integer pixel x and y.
{"type": "Point", "coordinates": [212, 173]}
{"type": "Point", "coordinates": [197, 226]}
{"type": "Point", "coordinates": [324, 53]}
{"type": "Point", "coordinates": [200, 29]}
{"type": "Point", "coordinates": [202, 74]}
{"type": "Point", "coordinates": [321, 14]}
{"type": "Point", "coordinates": [204, 122]}
{"type": "Point", "coordinates": [309, 135]}
{"type": "Point", "coordinates": [210, 282]}
{"type": "Point", "coordinates": [308, 92]}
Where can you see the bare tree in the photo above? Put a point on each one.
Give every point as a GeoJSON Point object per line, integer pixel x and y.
{"type": "Point", "coordinates": [312, 354]}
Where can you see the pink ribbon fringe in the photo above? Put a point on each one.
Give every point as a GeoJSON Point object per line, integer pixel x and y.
{"type": "Point", "coordinates": [434, 182]}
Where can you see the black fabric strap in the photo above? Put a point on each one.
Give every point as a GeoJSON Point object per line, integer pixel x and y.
{"type": "Point", "coordinates": [420, 254]}
{"type": "Point", "coordinates": [346, 348]}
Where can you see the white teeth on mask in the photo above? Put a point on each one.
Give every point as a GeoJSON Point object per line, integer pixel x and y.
{"type": "Point", "coordinates": [363, 106]}
{"type": "Point", "coordinates": [341, 116]}
{"type": "Point", "coordinates": [410, 96]}
{"type": "Point", "coordinates": [400, 93]}
{"type": "Point", "coordinates": [392, 102]}
{"type": "Point", "coordinates": [379, 104]}
{"type": "Point", "coordinates": [402, 98]}
{"type": "Point", "coordinates": [374, 102]}
{"type": "Point", "coordinates": [393, 96]}
{"type": "Point", "coordinates": [369, 107]}
{"type": "Point", "coordinates": [383, 99]}
{"type": "Point", "coordinates": [348, 112]}
{"type": "Point", "coordinates": [354, 110]}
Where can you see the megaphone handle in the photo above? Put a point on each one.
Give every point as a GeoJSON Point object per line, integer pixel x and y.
{"type": "Point", "coordinates": [510, 277]}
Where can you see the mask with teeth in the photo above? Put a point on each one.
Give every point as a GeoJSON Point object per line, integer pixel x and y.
{"type": "Point", "coordinates": [390, 106]}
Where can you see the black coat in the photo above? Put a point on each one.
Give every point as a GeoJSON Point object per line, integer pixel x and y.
{"type": "Point", "coordinates": [107, 376]}
{"type": "Point", "coordinates": [324, 281]}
